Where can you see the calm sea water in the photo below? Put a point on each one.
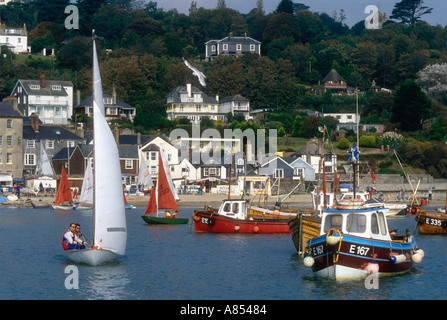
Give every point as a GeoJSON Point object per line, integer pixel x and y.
{"type": "Point", "coordinates": [175, 263]}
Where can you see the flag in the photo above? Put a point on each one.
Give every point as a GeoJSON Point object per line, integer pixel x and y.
{"type": "Point", "coordinates": [372, 175]}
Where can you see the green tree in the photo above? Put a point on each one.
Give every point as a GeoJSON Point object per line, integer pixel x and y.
{"type": "Point", "coordinates": [285, 6]}
{"type": "Point", "coordinates": [410, 106]}
{"type": "Point", "coordinates": [409, 11]}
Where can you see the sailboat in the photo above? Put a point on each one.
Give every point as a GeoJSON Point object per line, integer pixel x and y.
{"type": "Point", "coordinates": [144, 178]}
{"type": "Point", "coordinates": [63, 194]}
{"type": "Point", "coordinates": [86, 198]}
{"type": "Point", "coordinates": [127, 205]}
{"type": "Point", "coordinates": [164, 197]}
{"type": "Point", "coordinates": [109, 219]}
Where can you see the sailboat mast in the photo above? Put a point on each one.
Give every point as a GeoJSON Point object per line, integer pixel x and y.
{"type": "Point", "coordinates": [94, 140]}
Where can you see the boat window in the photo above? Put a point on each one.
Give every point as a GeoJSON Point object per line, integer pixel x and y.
{"type": "Point", "coordinates": [333, 221]}
{"type": "Point", "coordinates": [374, 224]}
{"type": "Point", "coordinates": [356, 223]}
{"type": "Point", "coordinates": [382, 223]}
{"type": "Point", "coordinates": [227, 207]}
{"type": "Point", "coordinates": [235, 207]}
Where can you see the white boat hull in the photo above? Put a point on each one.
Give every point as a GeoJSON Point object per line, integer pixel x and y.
{"type": "Point", "coordinates": [339, 272]}
{"type": "Point", "coordinates": [60, 207]}
{"type": "Point", "coordinates": [92, 257]}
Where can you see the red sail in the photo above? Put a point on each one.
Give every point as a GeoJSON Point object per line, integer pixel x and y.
{"type": "Point", "coordinates": [152, 204]}
{"type": "Point", "coordinates": [166, 199]}
{"type": "Point", "coordinates": [63, 192]}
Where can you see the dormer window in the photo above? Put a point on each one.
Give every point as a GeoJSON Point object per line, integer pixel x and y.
{"type": "Point", "coordinates": [56, 87]}
{"type": "Point", "coordinates": [34, 86]}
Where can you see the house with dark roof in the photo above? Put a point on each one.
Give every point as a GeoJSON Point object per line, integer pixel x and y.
{"type": "Point", "coordinates": [311, 154]}
{"type": "Point", "coordinates": [232, 46]}
{"type": "Point", "coordinates": [335, 82]}
{"type": "Point", "coordinates": [51, 100]}
{"type": "Point", "coordinates": [237, 105]}
{"type": "Point", "coordinates": [11, 137]}
{"type": "Point", "coordinates": [114, 108]}
{"type": "Point", "coordinates": [191, 103]}
{"type": "Point", "coordinates": [51, 137]}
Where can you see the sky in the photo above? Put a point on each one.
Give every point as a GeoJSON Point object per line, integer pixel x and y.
{"type": "Point", "coordinates": [354, 9]}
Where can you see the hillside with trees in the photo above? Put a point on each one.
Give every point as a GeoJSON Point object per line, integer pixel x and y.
{"type": "Point", "coordinates": [142, 46]}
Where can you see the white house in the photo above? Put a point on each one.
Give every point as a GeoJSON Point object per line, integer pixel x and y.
{"type": "Point", "coordinates": [191, 103]}
{"type": "Point", "coordinates": [16, 39]}
{"type": "Point", "coordinates": [51, 100]}
{"type": "Point", "coordinates": [344, 117]}
{"type": "Point", "coordinates": [150, 153]}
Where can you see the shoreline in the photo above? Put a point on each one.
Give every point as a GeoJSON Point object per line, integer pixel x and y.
{"type": "Point", "coordinates": [214, 200]}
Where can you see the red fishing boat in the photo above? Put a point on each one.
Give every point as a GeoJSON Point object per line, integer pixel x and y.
{"type": "Point", "coordinates": [234, 216]}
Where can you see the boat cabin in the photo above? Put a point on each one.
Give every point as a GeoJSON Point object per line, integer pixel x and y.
{"type": "Point", "coordinates": [236, 209]}
{"type": "Point", "coordinates": [362, 195]}
{"type": "Point", "coordinates": [367, 223]}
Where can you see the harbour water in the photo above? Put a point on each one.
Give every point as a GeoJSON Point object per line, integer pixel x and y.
{"type": "Point", "coordinates": [175, 263]}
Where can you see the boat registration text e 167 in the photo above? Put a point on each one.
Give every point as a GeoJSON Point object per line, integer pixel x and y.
{"type": "Point", "coordinates": [359, 250]}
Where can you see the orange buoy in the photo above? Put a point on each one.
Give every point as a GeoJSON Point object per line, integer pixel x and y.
{"type": "Point", "coordinates": [256, 229]}
{"type": "Point", "coordinates": [237, 228]}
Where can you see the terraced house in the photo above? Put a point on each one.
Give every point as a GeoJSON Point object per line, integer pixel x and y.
{"type": "Point", "coordinates": [51, 100]}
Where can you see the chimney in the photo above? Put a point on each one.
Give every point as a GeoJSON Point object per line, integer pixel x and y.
{"type": "Point", "coordinates": [188, 88]}
{"type": "Point", "coordinates": [217, 97]}
{"type": "Point", "coordinates": [42, 80]}
{"type": "Point", "coordinates": [139, 139]}
{"type": "Point", "coordinates": [231, 34]}
{"type": "Point", "coordinates": [116, 133]}
{"type": "Point", "coordinates": [34, 121]}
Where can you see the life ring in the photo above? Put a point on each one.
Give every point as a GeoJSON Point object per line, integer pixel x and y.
{"type": "Point", "coordinates": [211, 221]}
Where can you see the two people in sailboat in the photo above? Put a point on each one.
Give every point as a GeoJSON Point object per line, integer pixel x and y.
{"type": "Point", "coordinates": [171, 215]}
{"type": "Point", "coordinates": [72, 238]}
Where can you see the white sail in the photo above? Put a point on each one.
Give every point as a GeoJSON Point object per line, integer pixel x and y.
{"type": "Point", "coordinates": [87, 184]}
{"type": "Point", "coordinates": [46, 169]}
{"type": "Point", "coordinates": [110, 220]}
{"type": "Point", "coordinates": [168, 174]}
{"type": "Point", "coordinates": [144, 176]}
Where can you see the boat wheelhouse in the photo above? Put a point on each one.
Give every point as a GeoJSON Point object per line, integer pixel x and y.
{"type": "Point", "coordinates": [356, 243]}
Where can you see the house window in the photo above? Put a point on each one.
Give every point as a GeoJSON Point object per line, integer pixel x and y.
{"type": "Point", "coordinates": [70, 144]}
{"type": "Point", "coordinates": [57, 111]}
{"type": "Point", "coordinates": [153, 156]}
{"type": "Point", "coordinates": [113, 111]}
{"type": "Point", "coordinates": [299, 172]}
{"type": "Point", "coordinates": [9, 141]}
{"type": "Point", "coordinates": [9, 158]}
{"type": "Point", "coordinates": [1, 141]}
{"type": "Point", "coordinates": [49, 144]}
{"type": "Point", "coordinates": [153, 170]}
{"type": "Point", "coordinates": [128, 164]}
{"type": "Point", "coordinates": [212, 171]}
{"type": "Point", "coordinates": [30, 159]}
{"type": "Point", "coordinates": [213, 48]}
{"type": "Point", "coordinates": [252, 47]}
{"type": "Point", "coordinates": [35, 86]}
{"type": "Point", "coordinates": [238, 47]}
{"type": "Point", "coordinates": [9, 124]}
{"type": "Point", "coordinates": [225, 46]}
{"type": "Point", "coordinates": [279, 173]}
{"type": "Point", "coordinates": [56, 87]}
